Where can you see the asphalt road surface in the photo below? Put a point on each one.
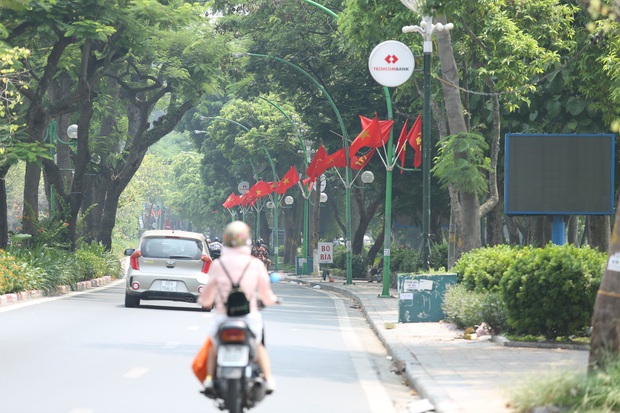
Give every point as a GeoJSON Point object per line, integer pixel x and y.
{"type": "Point", "coordinates": [87, 353]}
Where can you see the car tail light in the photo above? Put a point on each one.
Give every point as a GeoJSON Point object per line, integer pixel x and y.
{"type": "Point", "coordinates": [206, 263]}
{"type": "Point", "coordinates": [201, 288]}
{"type": "Point", "coordinates": [232, 335]}
{"type": "Point", "coordinates": [133, 259]}
{"type": "Point", "coordinates": [135, 285]}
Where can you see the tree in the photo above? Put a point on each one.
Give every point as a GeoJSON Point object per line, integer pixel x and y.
{"type": "Point", "coordinates": [153, 52]}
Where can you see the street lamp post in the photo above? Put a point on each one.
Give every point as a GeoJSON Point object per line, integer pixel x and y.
{"type": "Point", "coordinates": [52, 137]}
{"type": "Point", "coordinates": [426, 29]}
{"type": "Point", "coordinates": [345, 138]}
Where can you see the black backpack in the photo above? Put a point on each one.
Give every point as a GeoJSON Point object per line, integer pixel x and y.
{"type": "Point", "coordinates": [237, 304]}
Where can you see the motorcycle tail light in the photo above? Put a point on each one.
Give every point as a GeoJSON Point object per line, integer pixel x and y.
{"type": "Point", "coordinates": [206, 263]}
{"type": "Point", "coordinates": [133, 260]}
{"type": "Point", "coordinates": [233, 335]}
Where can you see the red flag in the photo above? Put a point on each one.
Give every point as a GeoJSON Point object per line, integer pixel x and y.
{"type": "Point", "coordinates": [235, 201]}
{"type": "Point", "coordinates": [246, 199]}
{"type": "Point", "coordinates": [260, 190]}
{"type": "Point", "coordinates": [307, 183]}
{"type": "Point", "coordinates": [385, 126]}
{"type": "Point", "coordinates": [359, 162]}
{"type": "Point", "coordinates": [272, 186]}
{"type": "Point", "coordinates": [316, 166]}
{"type": "Point", "coordinates": [288, 180]}
{"type": "Point", "coordinates": [337, 159]}
{"type": "Point", "coordinates": [229, 200]}
{"type": "Point", "coordinates": [414, 137]}
{"type": "Point", "coordinates": [369, 137]}
{"type": "Point", "coordinates": [402, 143]}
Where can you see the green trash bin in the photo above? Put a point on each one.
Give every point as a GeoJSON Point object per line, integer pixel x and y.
{"type": "Point", "coordinates": [299, 265]}
{"type": "Point", "coordinates": [420, 296]}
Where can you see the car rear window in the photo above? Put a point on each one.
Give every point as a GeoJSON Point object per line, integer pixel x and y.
{"type": "Point", "coordinates": [178, 248]}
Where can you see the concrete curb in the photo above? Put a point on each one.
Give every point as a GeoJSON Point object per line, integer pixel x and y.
{"type": "Point", "coordinates": [14, 298]}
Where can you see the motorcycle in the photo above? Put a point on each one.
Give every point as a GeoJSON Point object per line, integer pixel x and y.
{"type": "Point", "coordinates": [238, 383]}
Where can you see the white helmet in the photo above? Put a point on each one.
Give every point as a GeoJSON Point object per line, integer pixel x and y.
{"type": "Point", "coordinates": [236, 234]}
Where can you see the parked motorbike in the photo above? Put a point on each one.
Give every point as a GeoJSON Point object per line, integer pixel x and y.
{"type": "Point", "coordinates": [238, 383]}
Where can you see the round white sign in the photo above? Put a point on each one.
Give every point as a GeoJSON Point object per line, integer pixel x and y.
{"type": "Point", "coordinates": [391, 63]}
{"type": "Point", "coordinates": [243, 187]}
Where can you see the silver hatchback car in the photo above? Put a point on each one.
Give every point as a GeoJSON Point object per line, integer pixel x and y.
{"type": "Point", "coordinates": [168, 265]}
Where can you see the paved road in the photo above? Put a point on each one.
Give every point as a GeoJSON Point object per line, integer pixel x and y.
{"type": "Point", "coordinates": [86, 353]}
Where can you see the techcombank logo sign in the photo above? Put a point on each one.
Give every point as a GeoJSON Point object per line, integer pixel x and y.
{"type": "Point", "coordinates": [391, 63]}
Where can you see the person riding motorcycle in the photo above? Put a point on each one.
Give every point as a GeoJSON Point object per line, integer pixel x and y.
{"type": "Point", "coordinates": [261, 253]}
{"type": "Point", "coordinates": [235, 258]}
{"type": "Point", "coordinates": [215, 248]}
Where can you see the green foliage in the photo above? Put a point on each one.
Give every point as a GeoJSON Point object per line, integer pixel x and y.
{"type": "Point", "coordinates": [461, 162]}
{"type": "Point", "coordinates": [482, 269]}
{"type": "Point", "coordinates": [93, 261]}
{"type": "Point", "coordinates": [577, 392]}
{"type": "Point", "coordinates": [45, 268]}
{"type": "Point", "coordinates": [466, 308]}
{"type": "Point", "coordinates": [12, 277]}
{"type": "Point", "coordinates": [358, 263]}
{"type": "Point", "coordinates": [439, 256]}
{"type": "Point", "coordinates": [551, 290]}
{"type": "Point", "coordinates": [405, 260]}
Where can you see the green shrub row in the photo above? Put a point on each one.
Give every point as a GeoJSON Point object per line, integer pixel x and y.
{"type": "Point", "coordinates": [45, 268]}
{"type": "Point", "coordinates": [546, 291]}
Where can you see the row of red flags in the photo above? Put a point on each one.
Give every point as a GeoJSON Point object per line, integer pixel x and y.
{"type": "Point", "coordinates": [375, 133]}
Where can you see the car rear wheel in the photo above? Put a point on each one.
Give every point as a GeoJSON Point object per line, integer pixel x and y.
{"type": "Point", "coordinates": [131, 301]}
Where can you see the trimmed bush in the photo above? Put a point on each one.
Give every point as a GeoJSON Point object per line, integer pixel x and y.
{"type": "Point", "coordinates": [482, 269]}
{"type": "Point", "coordinates": [466, 308]}
{"type": "Point", "coordinates": [551, 291]}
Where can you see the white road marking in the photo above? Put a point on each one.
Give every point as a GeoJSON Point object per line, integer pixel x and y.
{"type": "Point", "coordinates": [193, 328]}
{"type": "Point", "coordinates": [378, 399]}
{"type": "Point", "coordinates": [135, 373]}
{"type": "Point", "coordinates": [171, 345]}
{"type": "Point", "coordinates": [80, 410]}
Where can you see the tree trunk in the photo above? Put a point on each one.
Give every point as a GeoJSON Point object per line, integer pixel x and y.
{"type": "Point", "coordinates": [573, 230]}
{"type": "Point", "coordinates": [30, 214]}
{"type": "Point", "coordinates": [366, 213]}
{"type": "Point", "coordinates": [470, 206]}
{"type": "Point", "coordinates": [376, 247]}
{"type": "Point", "coordinates": [495, 226]}
{"type": "Point", "coordinates": [4, 224]}
{"type": "Point", "coordinates": [605, 321]}
{"type": "Point", "coordinates": [599, 232]}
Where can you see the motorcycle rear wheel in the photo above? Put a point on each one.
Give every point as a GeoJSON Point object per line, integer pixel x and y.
{"type": "Point", "coordinates": [234, 396]}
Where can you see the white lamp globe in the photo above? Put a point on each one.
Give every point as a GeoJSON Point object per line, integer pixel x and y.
{"type": "Point", "coordinates": [72, 131]}
{"type": "Point", "coordinates": [368, 177]}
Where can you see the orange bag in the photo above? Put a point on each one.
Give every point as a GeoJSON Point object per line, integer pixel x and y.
{"type": "Point", "coordinates": [199, 365]}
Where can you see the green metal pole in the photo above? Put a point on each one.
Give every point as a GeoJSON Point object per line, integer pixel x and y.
{"type": "Point", "coordinates": [387, 240]}
{"type": "Point", "coordinates": [345, 138]}
{"type": "Point", "coordinates": [426, 158]}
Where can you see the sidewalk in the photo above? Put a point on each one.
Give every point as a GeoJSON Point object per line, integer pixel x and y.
{"type": "Point", "coordinates": [454, 374]}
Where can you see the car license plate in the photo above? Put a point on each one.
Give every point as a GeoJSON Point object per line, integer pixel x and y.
{"type": "Point", "coordinates": [233, 356]}
{"type": "Point", "coordinates": [169, 286]}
